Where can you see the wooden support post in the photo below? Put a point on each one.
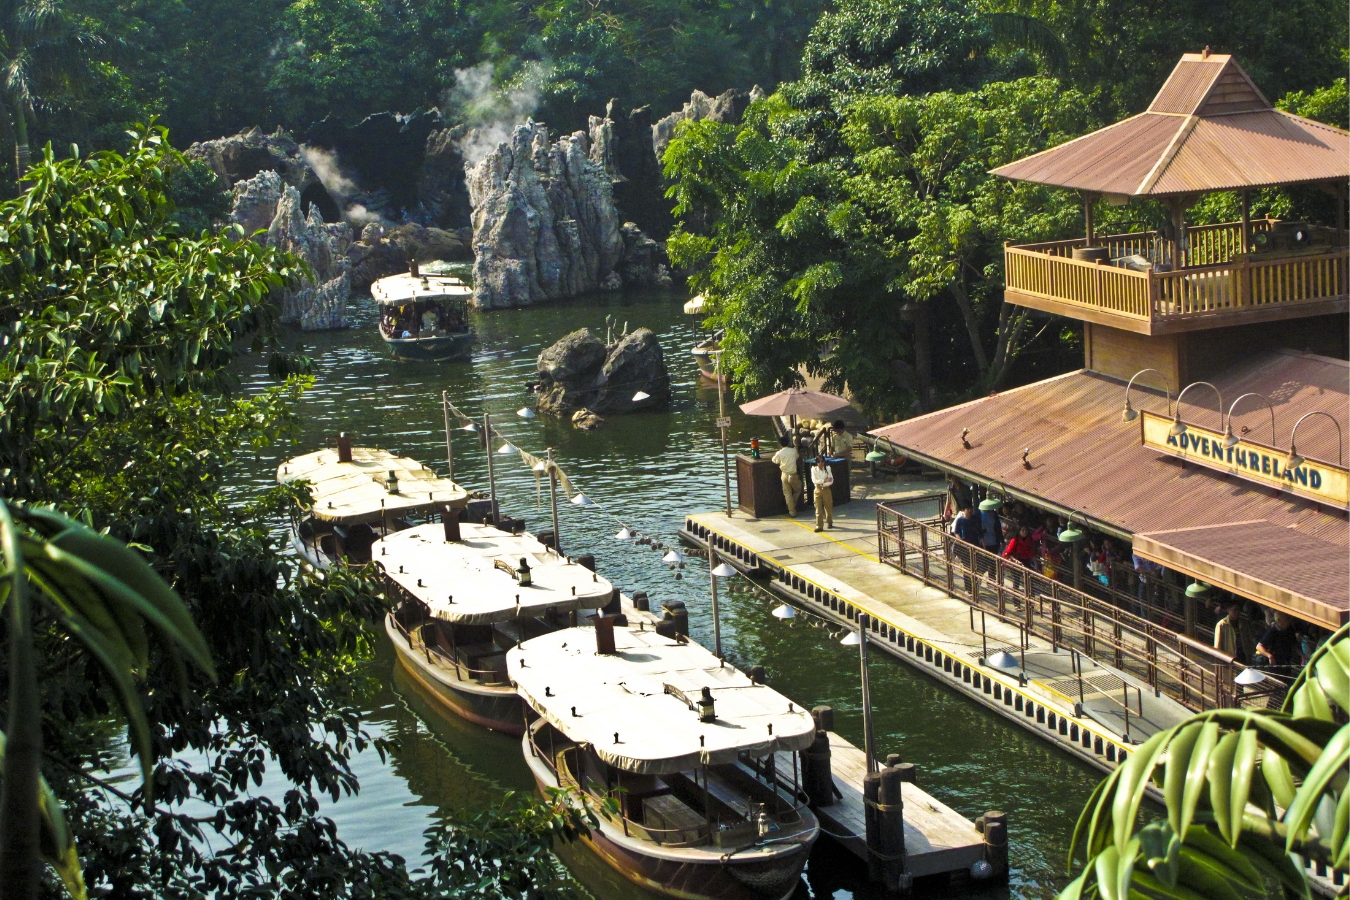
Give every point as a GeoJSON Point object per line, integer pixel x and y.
{"type": "Point", "coordinates": [872, 818]}
{"type": "Point", "coordinates": [994, 826]}
{"type": "Point", "coordinates": [1246, 221]}
{"type": "Point", "coordinates": [891, 816]}
{"type": "Point", "coordinates": [1088, 225]}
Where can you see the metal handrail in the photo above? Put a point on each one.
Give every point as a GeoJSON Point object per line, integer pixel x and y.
{"type": "Point", "coordinates": [1162, 654]}
{"type": "Point", "coordinates": [441, 654]}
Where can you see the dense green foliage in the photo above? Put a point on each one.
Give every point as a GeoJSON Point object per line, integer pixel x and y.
{"type": "Point", "coordinates": [118, 330]}
{"type": "Point", "coordinates": [1244, 789]}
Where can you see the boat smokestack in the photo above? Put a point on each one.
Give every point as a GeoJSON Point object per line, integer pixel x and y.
{"type": "Point", "coordinates": [344, 445]}
{"type": "Point", "coordinates": [604, 635]}
{"type": "Point", "coordinates": [450, 521]}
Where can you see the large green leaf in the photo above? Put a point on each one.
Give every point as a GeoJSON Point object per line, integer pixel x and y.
{"type": "Point", "coordinates": [1327, 775]}
{"type": "Point", "coordinates": [58, 844]}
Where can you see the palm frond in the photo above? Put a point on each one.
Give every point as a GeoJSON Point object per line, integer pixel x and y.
{"type": "Point", "coordinates": [1023, 32]}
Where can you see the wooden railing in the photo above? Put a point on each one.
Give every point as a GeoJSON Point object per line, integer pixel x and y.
{"type": "Point", "coordinates": [1217, 277]}
{"type": "Point", "coordinates": [1188, 671]}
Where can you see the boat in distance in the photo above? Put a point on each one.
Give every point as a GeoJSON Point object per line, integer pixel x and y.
{"type": "Point", "coordinates": [424, 316]}
{"type": "Point", "coordinates": [466, 594]}
{"type": "Point", "coordinates": [361, 494]}
{"type": "Point", "coordinates": [682, 757]}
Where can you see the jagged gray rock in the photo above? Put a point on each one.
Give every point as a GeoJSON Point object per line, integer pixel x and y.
{"type": "Point", "coordinates": [580, 372]}
{"type": "Point", "coordinates": [255, 201]}
{"type": "Point", "coordinates": [321, 303]}
{"type": "Point", "coordinates": [544, 223]}
{"type": "Point", "coordinates": [727, 108]}
{"type": "Point", "coordinates": [388, 254]}
{"type": "Point", "coordinates": [241, 157]}
{"type": "Point", "coordinates": [644, 262]}
{"type": "Point", "coordinates": [621, 145]}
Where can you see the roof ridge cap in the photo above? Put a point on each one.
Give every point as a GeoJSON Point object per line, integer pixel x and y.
{"type": "Point", "coordinates": [1165, 158]}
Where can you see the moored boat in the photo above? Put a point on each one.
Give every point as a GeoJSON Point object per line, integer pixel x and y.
{"type": "Point", "coordinates": [693, 754]}
{"type": "Point", "coordinates": [361, 494]}
{"type": "Point", "coordinates": [424, 316]}
{"type": "Point", "coordinates": [469, 593]}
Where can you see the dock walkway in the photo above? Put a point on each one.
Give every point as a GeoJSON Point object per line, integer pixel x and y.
{"type": "Point", "coordinates": [837, 574]}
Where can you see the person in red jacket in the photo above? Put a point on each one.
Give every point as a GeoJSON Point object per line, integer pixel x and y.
{"type": "Point", "coordinates": [1022, 549]}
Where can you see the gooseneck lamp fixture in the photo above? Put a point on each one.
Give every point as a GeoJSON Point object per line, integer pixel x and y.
{"type": "Point", "coordinates": [1130, 413]}
{"type": "Point", "coordinates": [1070, 534]}
{"type": "Point", "coordinates": [1196, 590]}
{"type": "Point", "coordinates": [1232, 440]}
{"type": "Point", "coordinates": [1179, 427]}
{"type": "Point", "coordinates": [991, 501]}
{"type": "Point", "coordinates": [1294, 460]}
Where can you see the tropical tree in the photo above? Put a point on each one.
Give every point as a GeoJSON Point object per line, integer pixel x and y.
{"type": "Point", "coordinates": [43, 54]}
{"type": "Point", "coordinates": [1251, 796]}
{"type": "Point", "coordinates": [103, 595]}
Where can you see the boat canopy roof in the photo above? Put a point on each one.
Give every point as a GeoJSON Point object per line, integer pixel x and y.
{"type": "Point", "coordinates": [461, 583]}
{"type": "Point", "coordinates": [347, 493]}
{"type": "Point", "coordinates": [406, 288]}
{"type": "Point", "coordinates": [628, 706]}
{"type": "Point", "coordinates": [695, 306]}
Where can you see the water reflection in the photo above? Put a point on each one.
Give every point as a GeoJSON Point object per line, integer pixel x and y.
{"type": "Point", "coordinates": [647, 470]}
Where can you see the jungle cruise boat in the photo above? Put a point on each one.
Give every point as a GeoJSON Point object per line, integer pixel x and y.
{"type": "Point", "coordinates": [424, 316]}
{"type": "Point", "coordinates": [700, 762]}
{"type": "Point", "coordinates": [361, 494]}
{"type": "Point", "coordinates": [466, 595]}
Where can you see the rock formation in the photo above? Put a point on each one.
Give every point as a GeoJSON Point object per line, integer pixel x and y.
{"type": "Point", "coordinates": [544, 224]}
{"type": "Point", "coordinates": [382, 153]}
{"type": "Point", "coordinates": [726, 108]}
{"type": "Point", "coordinates": [320, 303]}
{"type": "Point", "coordinates": [441, 189]}
{"type": "Point", "coordinates": [644, 262]}
{"type": "Point", "coordinates": [621, 144]}
{"type": "Point", "coordinates": [580, 373]}
{"type": "Point", "coordinates": [243, 156]}
{"type": "Point", "coordinates": [379, 253]}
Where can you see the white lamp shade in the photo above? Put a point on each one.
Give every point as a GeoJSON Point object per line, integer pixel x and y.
{"type": "Point", "coordinates": [673, 556]}
{"type": "Point", "coordinates": [1250, 676]}
{"type": "Point", "coordinates": [525, 412]}
{"type": "Point", "coordinates": [1003, 660]}
{"type": "Point", "coordinates": [540, 466]}
{"type": "Point", "coordinates": [581, 500]}
{"type": "Point", "coordinates": [624, 534]}
{"type": "Point", "coordinates": [723, 571]}
{"type": "Point", "coordinates": [470, 427]}
{"type": "Point", "coordinates": [640, 396]}
{"type": "Point", "coordinates": [784, 612]}
{"type": "Point", "coordinates": [852, 639]}
{"type": "Point", "coordinates": [506, 448]}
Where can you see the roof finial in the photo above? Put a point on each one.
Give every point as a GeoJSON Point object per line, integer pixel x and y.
{"type": "Point", "coordinates": [1204, 54]}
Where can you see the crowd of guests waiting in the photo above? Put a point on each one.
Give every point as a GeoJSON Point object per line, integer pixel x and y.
{"type": "Point", "coordinates": [1251, 634]}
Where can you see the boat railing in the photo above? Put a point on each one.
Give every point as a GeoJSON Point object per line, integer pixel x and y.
{"type": "Point", "coordinates": [1186, 670]}
{"type": "Point", "coordinates": [435, 655]}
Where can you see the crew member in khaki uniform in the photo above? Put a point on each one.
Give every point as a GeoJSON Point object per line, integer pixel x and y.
{"type": "Point", "coordinates": [823, 479]}
{"type": "Point", "coordinates": [787, 458]}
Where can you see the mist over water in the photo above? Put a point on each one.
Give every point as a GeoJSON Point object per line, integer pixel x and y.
{"type": "Point", "coordinates": [646, 471]}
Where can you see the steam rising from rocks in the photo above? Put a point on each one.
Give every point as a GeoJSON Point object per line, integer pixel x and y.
{"type": "Point", "coordinates": [490, 111]}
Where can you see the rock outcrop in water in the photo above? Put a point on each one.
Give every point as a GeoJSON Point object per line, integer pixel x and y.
{"type": "Point", "coordinates": [243, 156]}
{"type": "Point", "coordinates": [621, 144]}
{"type": "Point", "coordinates": [544, 224]}
{"type": "Point", "coordinates": [580, 372]}
{"type": "Point", "coordinates": [319, 304]}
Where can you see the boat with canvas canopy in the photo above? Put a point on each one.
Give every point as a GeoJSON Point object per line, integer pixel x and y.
{"type": "Point", "coordinates": [360, 494]}
{"type": "Point", "coordinates": [466, 595]}
{"type": "Point", "coordinates": [685, 747]}
{"type": "Point", "coordinates": [423, 315]}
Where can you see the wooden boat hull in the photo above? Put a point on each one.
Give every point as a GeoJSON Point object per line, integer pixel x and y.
{"type": "Point", "coordinates": [690, 873]}
{"type": "Point", "coordinates": [441, 347]}
{"type": "Point", "coordinates": [493, 707]}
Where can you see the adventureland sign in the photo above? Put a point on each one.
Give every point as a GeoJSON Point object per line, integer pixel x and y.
{"type": "Point", "coordinates": [1314, 480]}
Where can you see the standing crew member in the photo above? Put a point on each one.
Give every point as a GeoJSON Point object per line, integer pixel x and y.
{"type": "Point", "coordinates": [823, 479]}
{"type": "Point", "coordinates": [787, 458]}
{"type": "Point", "coordinates": [841, 442]}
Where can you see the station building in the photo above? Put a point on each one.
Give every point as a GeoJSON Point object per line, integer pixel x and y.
{"type": "Point", "coordinates": [1205, 433]}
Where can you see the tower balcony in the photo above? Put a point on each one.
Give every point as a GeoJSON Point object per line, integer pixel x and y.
{"type": "Point", "coordinates": [1145, 283]}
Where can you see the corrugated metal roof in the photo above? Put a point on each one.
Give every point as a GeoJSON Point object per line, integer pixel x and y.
{"type": "Point", "coordinates": [1208, 129]}
{"type": "Point", "coordinates": [1083, 457]}
{"type": "Point", "coordinates": [1267, 554]}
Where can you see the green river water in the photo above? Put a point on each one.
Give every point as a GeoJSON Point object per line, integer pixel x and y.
{"type": "Point", "coordinates": [647, 470]}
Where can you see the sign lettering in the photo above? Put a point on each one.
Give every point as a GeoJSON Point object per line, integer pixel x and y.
{"type": "Point", "coordinates": [1313, 479]}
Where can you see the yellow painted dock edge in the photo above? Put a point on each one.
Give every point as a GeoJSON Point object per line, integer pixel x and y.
{"type": "Point", "coordinates": [1119, 751]}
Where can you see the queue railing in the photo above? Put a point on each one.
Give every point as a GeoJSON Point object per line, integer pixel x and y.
{"type": "Point", "coordinates": [1169, 662]}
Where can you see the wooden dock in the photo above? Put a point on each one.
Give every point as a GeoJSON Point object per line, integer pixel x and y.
{"type": "Point", "coordinates": [938, 839]}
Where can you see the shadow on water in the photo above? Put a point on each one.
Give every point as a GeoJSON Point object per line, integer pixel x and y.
{"type": "Point", "coordinates": [646, 471]}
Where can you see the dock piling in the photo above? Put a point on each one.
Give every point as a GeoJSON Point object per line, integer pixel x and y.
{"type": "Point", "coordinates": [891, 831]}
{"type": "Point", "coordinates": [994, 826]}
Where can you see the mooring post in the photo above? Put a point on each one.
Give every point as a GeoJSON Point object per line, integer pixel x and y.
{"type": "Point", "coordinates": [492, 478]}
{"type": "Point", "coordinates": [891, 813]}
{"type": "Point", "coordinates": [872, 818]}
{"type": "Point", "coordinates": [994, 826]}
{"type": "Point", "coordinates": [817, 777]}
